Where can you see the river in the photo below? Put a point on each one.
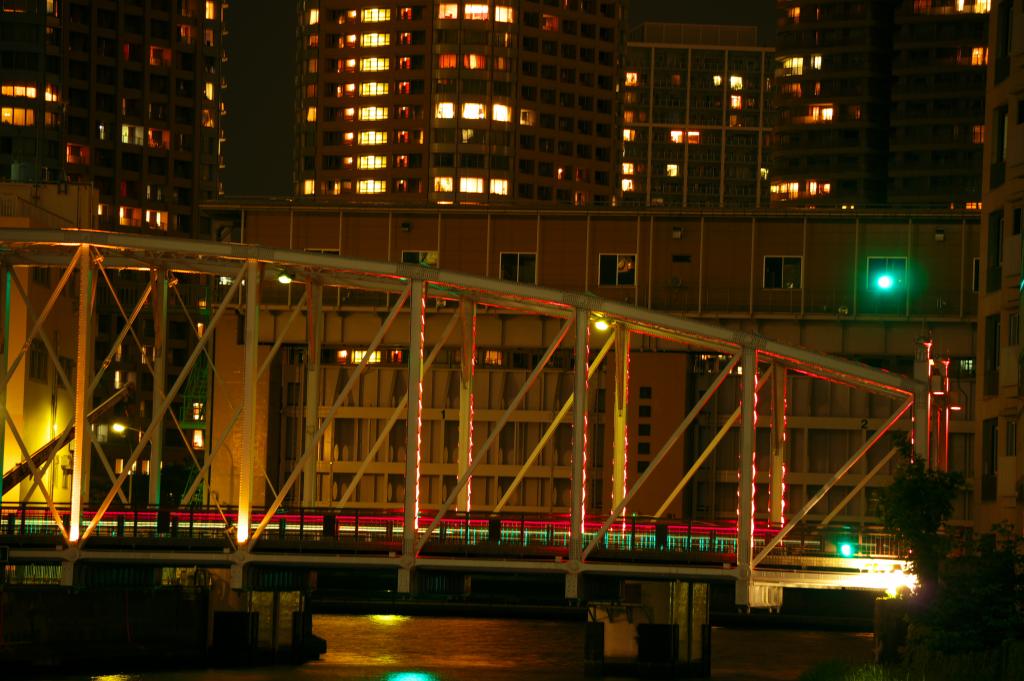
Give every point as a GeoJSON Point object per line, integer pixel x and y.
{"type": "Point", "coordinates": [399, 648]}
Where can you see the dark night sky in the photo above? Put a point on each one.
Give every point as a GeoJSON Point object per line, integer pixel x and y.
{"type": "Point", "coordinates": [261, 51]}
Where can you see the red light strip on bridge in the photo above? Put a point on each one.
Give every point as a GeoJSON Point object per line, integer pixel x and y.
{"type": "Point", "coordinates": [586, 391]}
{"type": "Point", "coordinates": [469, 453]}
{"type": "Point", "coordinates": [419, 403]}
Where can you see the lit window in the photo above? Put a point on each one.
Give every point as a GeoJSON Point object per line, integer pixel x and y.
{"type": "Point", "coordinates": [308, 187]}
{"type": "Point", "coordinates": [445, 110]}
{"type": "Point", "coordinates": [372, 162]}
{"type": "Point", "coordinates": [735, 82]}
{"type": "Point", "coordinates": [527, 117]}
{"type": "Point", "coordinates": [370, 186]}
{"type": "Point", "coordinates": [794, 14]}
{"type": "Point", "coordinates": [617, 269]}
{"type": "Point", "coordinates": [816, 61]}
{"type": "Point", "coordinates": [373, 89]}
{"type": "Point", "coordinates": [375, 39]}
{"type": "Point", "coordinates": [448, 10]}
{"type": "Point", "coordinates": [350, 89]}
{"type": "Point", "coordinates": [443, 184]}
{"type": "Point", "coordinates": [51, 92]}
{"type": "Point", "coordinates": [792, 66]}
{"type": "Point", "coordinates": [501, 112]}
{"type": "Point", "coordinates": [372, 15]}
{"type": "Point", "coordinates": [372, 358]}
{"type": "Point", "coordinates": [627, 168]}
{"type": "Point", "coordinates": [211, 10]}
{"type": "Point", "coordinates": [632, 78]}
{"type": "Point", "coordinates": [499, 187]}
{"type": "Point", "coordinates": [156, 219]}
{"type": "Point", "coordinates": [374, 64]}
{"type": "Point", "coordinates": [672, 170]}
{"type": "Point", "coordinates": [314, 16]}
{"type": "Point", "coordinates": [474, 111]}
{"type": "Point", "coordinates": [76, 153]}
{"type": "Point", "coordinates": [474, 61]}
{"type": "Point", "coordinates": [349, 113]}
{"type": "Point", "coordinates": [28, 91]}
{"type": "Point", "coordinates": [822, 112]}
{"type": "Point", "coordinates": [627, 184]}
{"type": "Point", "coordinates": [979, 56]}
{"type": "Point", "coordinates": [475, 12]}
{"type": "Point", "coordinates": [504, 14]}
{"type": "Point", "coordinates": [717, 80]}
{"type": "Point", "coordinates": [373, 113]}
{"type": "Point", "coordinates": [676, 136]}
{"type": "Point", "coordinates": [693, 136]}
{"type": "Point", "coordinates": [132, 134]}
{"type": "Point", "coordinates": [471, 185]}
{"type": "Point", "coordinates": [17, 116]}
{"type": "Point", "coordinates": [372, 137]}
{"type": "Point", "coordinates": [978, 134]}
{"type": "Point", "coordinates": [735, 101]}
{"type": "Point", "coordinates": [628, 134]}
{"type": "Point", "coordinates": [548, 22]}
{"type": "Point", "coordinates": [447, 61]}
{"type": "Point", "coordinates": [311, 114]}
{"type": "Point", "coordinates": [785, 190]}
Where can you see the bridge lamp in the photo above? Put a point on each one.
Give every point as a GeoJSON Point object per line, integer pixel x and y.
{"type": "Point", "coordinates": [847, 549]}
{"type": "Point", "coordinates": [118, 428]}
{"type": "Point", "coordinates": [602, 324]}
{"type": "Point", "coordinates": [284, 278]}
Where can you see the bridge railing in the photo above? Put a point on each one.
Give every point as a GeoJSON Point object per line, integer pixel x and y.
{"type": "Point", "coordinates": [507, 535]}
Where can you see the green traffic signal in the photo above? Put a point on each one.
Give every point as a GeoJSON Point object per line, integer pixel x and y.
{"type": "Point", "coordinates": [846, 549]}
{"type": "Point", "coordinates": [885, 282]}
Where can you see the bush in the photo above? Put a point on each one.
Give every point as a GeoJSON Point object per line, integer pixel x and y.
{"type": "Point", "coordinates": [844, 671]}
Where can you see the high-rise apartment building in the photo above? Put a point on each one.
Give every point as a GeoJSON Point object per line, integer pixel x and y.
{"type": "Point", "coordinates": [879, 102]}
{"type": "Point", "coordinates": [695, 117]}
{"type": "Point", "coordinates": [460, 102]}
{"type": "Point", "coordinates": [122, 95]}
{"type": "Point", "coordinates": [999, 451]}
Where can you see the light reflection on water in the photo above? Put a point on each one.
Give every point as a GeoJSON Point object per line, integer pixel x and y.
{"type": "Point", "coordinates": [397, 648]}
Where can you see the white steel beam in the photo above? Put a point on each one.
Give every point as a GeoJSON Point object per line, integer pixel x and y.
{"type": "Point", "coordinates": [549, 432]}
{"type": "Point", "coordinates": [414, 420]}
{"type": "Point", "coordinates": [843, 470]}
{"type": "Point", "coordinates": [399, 410]}
{"type": "Point", "coordinates": [663, 452]}
{"type": "Point", "coordinates": [314, 345]}
{"type": "Point", "coordinates": [493, 435]}
{"type": "Point", "coordinates": [83, 367]}
{"type": "Point", "coordinates": [578, 495]}
{"type": "Point", "coordinates": [620, 440]}
{"type": "Point", "coordinates": [859, 486]}
{"type": "Point", "coordinates": [250, 358]}
{"type": "Point", "coordinates": [144, 440]}
{"type": "Point", "coordinates": [328, 419]}
{"type": "Point", "coordinates": [708, 450]}
{"type": "Point", "coordinates": [158, 283]}
{"type": "Point", "coordinates": [745, 508]}
{"type": "Point", "coordinates": [467, 369]}
{"type": "Point", "coordinates": [777, 471]}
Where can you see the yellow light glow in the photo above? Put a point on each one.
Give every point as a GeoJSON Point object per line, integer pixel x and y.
{"type": "Point", "coordinates": [602, 325]}
{"type": "Point", "coordinates": [118, 428]}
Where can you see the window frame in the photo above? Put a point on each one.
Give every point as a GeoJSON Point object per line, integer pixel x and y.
{"type": "Point", "coordinates": [782, 270]}
{"type": "Point", "coordinates": [518, 266]}
{"type": "Point", "coordinates": [619, 283]}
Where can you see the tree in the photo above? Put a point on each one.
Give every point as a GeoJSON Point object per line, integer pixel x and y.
{"type": "Point", "coordinates": [915, 507]}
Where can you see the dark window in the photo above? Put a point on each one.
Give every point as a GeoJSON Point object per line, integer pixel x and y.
{"type": "Point", "coordinates": [645, 411]}
{"type": "Point", "coordinates": [617, 269]}
{"type": "Point", "coordinates": [643, 448]}
{"type": "Point", "coordinates": [521, 267]}
{"type": "Point", "coordinates": [645, 392]}
{"type": "Point", "coordinates": [644, 430]}
{"type": "Point", "coordinates": [782, 271]}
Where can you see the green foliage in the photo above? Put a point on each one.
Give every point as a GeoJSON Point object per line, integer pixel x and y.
{"type": "Point", "coordinates": [915, 506]}
{"type": "Point", "coordinates": [844, 671]}
{"type": "Point", "coordinates": [981, 583]}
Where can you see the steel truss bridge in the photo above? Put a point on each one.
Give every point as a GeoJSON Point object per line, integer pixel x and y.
{"type": "Point", "coordinates": [761, 550]}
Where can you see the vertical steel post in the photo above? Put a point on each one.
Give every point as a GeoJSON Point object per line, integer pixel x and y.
{"type": "Point", "coordinates": [579, 451]}
{"type": "Point", "coordinates": [158, 279]}
{"type": "Point", "coordinates": [620, 445]}
{"type": "Point", "coordinates": [777, 473]}
{"type": "Point", "coordinates": [922, 398]}
{"type": "Point", "coordinates": [467, 369]}
{"type": "Point", "coordinates": [250, 358]}
{"type": "Point", "coordinates": [5, 337]}
{"type": "Point", "coordinates": [314, 344]}
{"type": "Point", "coordinates": [83, 369]}
{"type": "Point", "coordinates": [413, 426]}
{"type": "Point", "coordinates": [745, 510]}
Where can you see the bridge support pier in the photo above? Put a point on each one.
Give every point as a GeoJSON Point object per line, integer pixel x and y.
{"type": "Point", "coordinates": [655, 629]}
